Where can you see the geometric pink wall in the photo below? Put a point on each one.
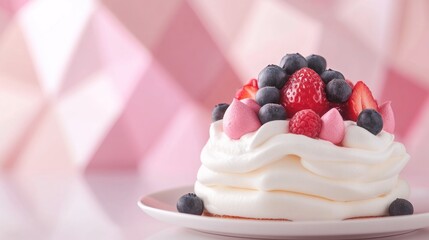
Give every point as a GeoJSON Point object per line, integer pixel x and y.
{"type": "Point", "coordinates": [91, 85]}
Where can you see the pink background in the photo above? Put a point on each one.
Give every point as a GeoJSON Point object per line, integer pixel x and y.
{"type": "Point", "coordinates": [122, 90]}
{"type": "Point", "coordinates": [116, 85]}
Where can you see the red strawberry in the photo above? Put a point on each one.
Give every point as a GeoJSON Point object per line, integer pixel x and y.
{"type": "Point", "coordinates": [248, 90]}
{"type": "Point", "coordinates": [304, 90]}
{"type": "Point", "coordinates": [306, 122]}
{"type": "Point", "coordinates": [341, 107]}
{"type": "Point", "coordinates": [360, 99]}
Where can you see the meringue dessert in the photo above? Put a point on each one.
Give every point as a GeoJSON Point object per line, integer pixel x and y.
{"type": "Point", "coordinates": [302, 143]}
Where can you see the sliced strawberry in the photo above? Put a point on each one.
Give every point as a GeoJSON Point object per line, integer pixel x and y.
{"type": "Point", "coordinates": [360, 99]}
{"type": "Point", "coordinates": [248, 90]}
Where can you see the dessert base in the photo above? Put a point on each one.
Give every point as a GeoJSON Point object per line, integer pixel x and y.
{"type": "Point", "coordinates": [208, 214]}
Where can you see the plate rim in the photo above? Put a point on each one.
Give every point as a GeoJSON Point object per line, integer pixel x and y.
{"type": "Point", "coordinates": [397, 224]}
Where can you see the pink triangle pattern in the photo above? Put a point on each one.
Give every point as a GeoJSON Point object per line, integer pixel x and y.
{"type": "Point", "coordinates": [120, 86]}
{"type": "Point", "coordinates": [12, 6]}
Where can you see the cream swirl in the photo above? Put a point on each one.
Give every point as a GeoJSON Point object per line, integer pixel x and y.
{"type": "Point", "coordinates": [270, 164]}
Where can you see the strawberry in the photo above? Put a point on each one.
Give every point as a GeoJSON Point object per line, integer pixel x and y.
{"type": "Point", "coordinates": [341, 107]}
{"type": "Point", "coordinates": [248, 90]}
{"type": "Point", "coordinates": [360, 99]}
{"type": "Point", "coordinates": [304, 90]}
{"type": "Point", "coordinates": [306, 122]}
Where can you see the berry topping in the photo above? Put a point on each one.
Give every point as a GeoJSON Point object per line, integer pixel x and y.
{"type": "Point", "coordinates": [333, 129]}
{"type": "Point", "coordinates": [219, 111]}
{"type": "Point", "coordinates": [248, 90]}
{"type": "Point", "coordinates": [191, 204]}
{"type": "Point", "coordinates": [304, 90]}
{"type": "Point", "coordinates": [267, 95]}
{"type": "Point", "coordinates": [239, 119]}
{"type": "Point", "coordinates": [341, 107]}
{"type": "Point", "coordinates": [330, 74]}
{"type": "Point", "coordinates": [371, 120]}
{"type": "Point", "coordinates": [322, 97]}
{"type": "Point", "coordinates": [388, 117]}
{"type": "Point", "coordinates": [270, 112]}
{"type": "Point", "coordinates": [351, 84]}
{"type": "Point", "coordinates": [360, 99]}
{"type": "Point", "coordinates": [338, 91]}
{"type": "Point", "coordinates": [252, 104]}
{"type": "Point", "coordinates": [317, 63]}
{"type": "Point", "coordinates": [272, 75]}
{"type": "Point", "coordinates": [401, 207]}
{"type": "Point", "coordinates": [293, 62]}
{"type": "Point", "coordinates": [306, 122]}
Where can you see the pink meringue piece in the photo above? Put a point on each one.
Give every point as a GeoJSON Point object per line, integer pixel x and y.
{"type": "Point", "coordinates": [386, 112]}
{"type": "Point", "coordinates": [333, 129]}
{"type": "Point", "coordinates": [252, 104]}
{"type": "Point", "coordinates": [239, 119]}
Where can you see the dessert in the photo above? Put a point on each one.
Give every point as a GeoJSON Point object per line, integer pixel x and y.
{"type": "Point", "coordinates": [302, 143]}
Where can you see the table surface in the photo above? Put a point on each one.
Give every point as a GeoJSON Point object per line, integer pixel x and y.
{"type": "Point", "coordinates": [92, 206]}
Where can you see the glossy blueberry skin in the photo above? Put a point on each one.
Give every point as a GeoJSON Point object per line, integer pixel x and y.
{"type": "Point", "coordinates": [293, 62]}
{"type": "Point", "coordinates": [371, 120]}
{"type": "Point", "coordinates": [271, 111]}
{"type": "Point", "coordinates": [338, 91]}
{"type": "Point", "coordinates": [218, 111]}
{"type": "Point", "coordinates": [401, 207]}
{"type": "Point", "coordinates": [317, 63]}
{"type": "Point", "coordinates": [191, 204]}
{"type": "Point", "coordinates": [272, 76]}
{"type": "Point", "coordinates": [330, 74]}
{"type": "Point", "coordinates": [267, 95]}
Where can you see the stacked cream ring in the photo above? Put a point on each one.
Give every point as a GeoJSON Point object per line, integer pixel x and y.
{"type": "Point", "coordinates": [273, 174]}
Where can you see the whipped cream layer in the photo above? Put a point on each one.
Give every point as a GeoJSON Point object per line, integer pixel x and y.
{"type": "Point", "coordinates": [271, 173]}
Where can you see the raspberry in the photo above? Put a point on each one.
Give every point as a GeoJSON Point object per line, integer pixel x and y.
{"type": "Point", "coordinates": [306, 122]}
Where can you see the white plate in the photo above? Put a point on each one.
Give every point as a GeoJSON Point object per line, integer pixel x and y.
{"type": "Point", "coordinates": [162, 206]}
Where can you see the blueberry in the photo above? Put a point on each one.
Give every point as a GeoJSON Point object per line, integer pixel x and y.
{"type": "Point", "coordinates": [330, 74]}
{"type": "Point", "coordinates": [271, 111]}
{"type": "Point", "coordinates": [317, 63]}
{"type": "Point", "coordinates": [401, 207]}
{"type": "Point", "coordinates": [293, 62]}
{"type": "Point", "coordinates": [190, 203]}
{"type": "Point", "coordinates": [338, 91]}
{"type": "Point", "coordinates": [267, 95]}
{"type": "Point", "coordinates": [218, 111]}
{"type": "Point", "coordinates": [371, 120]}
{"type": "Point", "coordinates": [272, 75]}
